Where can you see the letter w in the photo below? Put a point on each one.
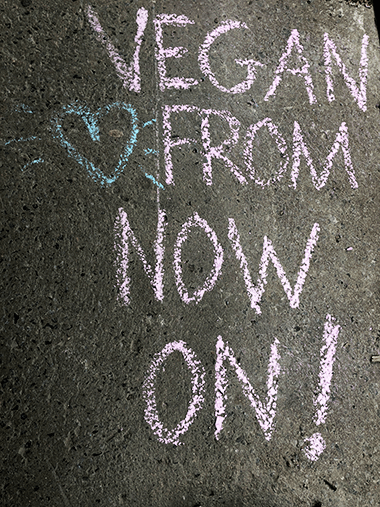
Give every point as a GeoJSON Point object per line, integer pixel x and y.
{"type": "Point", "coordinates": [255, 293]}
{"type": "Point", "coordinates": [265, 413]}
{"type": "Point", "coordinates": [123, 236]}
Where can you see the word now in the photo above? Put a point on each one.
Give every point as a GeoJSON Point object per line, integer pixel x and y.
{"type": "Point", "coordinates": [130, 74]}
{"type": "Point", "coordinates": [265, 411]}
{"type": "Point", "coordinates": [125, 237]}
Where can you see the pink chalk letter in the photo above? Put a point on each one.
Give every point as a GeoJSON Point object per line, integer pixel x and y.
{"type": "Point", "coordinates": [281, 145]}
{"type": "Point", "coordinates": [196, 221]}
{"type": "Point", "coordinates": [204, 61]}
{"type": "Point", "coordinates": [293, 43]}
{"type": "Point", "coordinates": [265, 413]}
{"type": "Point", "coordinates": [217, 152]}
{"type": "Point", "coordinates": [170, 143]}
{"type": "Point", "coordinates": [124, 236]}
{"type": "Point", "coordinates": [316, 444]}
{"type": "Point", "coordinates": [358, 92]}
{"type": "Point", "coordinates": [163, 434]}
{"type": "Point", "coordinates": [300, 148]}
{"type": "Point", "coordinates": [130, 75]}
{"type": "Point", "coordinates": [163, 53]}
{"type": "Point", "coordinates": [255, 293]}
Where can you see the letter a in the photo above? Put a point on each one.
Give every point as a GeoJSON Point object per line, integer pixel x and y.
{"type": "Point", "coordinates": [293, 42]}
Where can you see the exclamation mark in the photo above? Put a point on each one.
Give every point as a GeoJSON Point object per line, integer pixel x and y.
{"type": "Point", "coordinates": [316, 444]}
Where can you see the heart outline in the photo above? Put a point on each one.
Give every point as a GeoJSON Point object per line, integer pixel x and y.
{"type": "Point", "coordinates": [90, 119]}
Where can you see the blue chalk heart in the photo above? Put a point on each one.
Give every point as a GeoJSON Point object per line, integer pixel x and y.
{"type": "Point", "coordinates": [91, 121]}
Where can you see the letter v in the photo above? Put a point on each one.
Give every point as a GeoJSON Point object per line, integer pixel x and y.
{"type": "Point", "coordinates": [255, 293]}
{"type": "Point", "coordinates": [130, 76]}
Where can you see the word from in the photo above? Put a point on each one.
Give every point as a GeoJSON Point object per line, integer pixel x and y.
{"type": "Point", "coordinates": [130, 74]}
{"type": "Point", "coordinates": [265, 412]}
{"type": "Point", "coordinates": [91, 121]}
{"type": "Point", "coordinates": [124, 237]}
{"type": "Point", "coordinates": [220, 152]}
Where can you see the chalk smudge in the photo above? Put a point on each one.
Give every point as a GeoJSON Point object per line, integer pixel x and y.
{"type": "Point", "coordinates": [163, 434]}
{"type": "Point", "coordinates": [36, 161]}
{"type": "Point", "coordinates": [255, 293]}
{"type": "Point", "coordinates": [196, 221]}
{"type": "Point", "coordinates": [265, 413]}
{"type": "Point", "coordinates": [23, 140]}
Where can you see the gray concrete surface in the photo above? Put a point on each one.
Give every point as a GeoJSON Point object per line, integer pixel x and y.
{"type": "Point", "coordinates": [75, 357]}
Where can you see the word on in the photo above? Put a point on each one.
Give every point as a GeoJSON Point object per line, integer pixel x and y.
{"type": "Point", "coordinates": [265, 411]}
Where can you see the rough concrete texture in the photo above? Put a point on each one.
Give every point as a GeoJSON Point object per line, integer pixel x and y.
{"type": "Point", "coordinates": [75, 356]}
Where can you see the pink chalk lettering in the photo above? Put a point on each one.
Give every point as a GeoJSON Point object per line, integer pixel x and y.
{"type": "Point", "coordinates": [163, 434]}
{"type": "Point", "coordinates": [255, 293]}
{"type": "Point", "coordinates": [130, 75]}
{"type": "Point", "coordinates": [300, 148]}
{"type": "Point", "coordinates": [293, 43]}
{"type": "Point", "coordinates": [265, 413]}
{"type": "Point", "coordinates": [196, 221]}
{"type": "Point", "coordinates": [217, 152]}
{"type": "Point", "coordinates": [170, 143]}
{"type": "Point", "coordinates": [163, 53]}
{"type": "Point", "coordinates": [204, 62]}
{"type": "Point", "coordinates": [125, 235]}
{"type": "Point", "coordinates": [358, 92]}
{"type": "Point", "coordinates": [281, 145]}
{"type": "Point", "coordinates": [327, 354]}
{"type": "Point", "coordinates": [315, 446]}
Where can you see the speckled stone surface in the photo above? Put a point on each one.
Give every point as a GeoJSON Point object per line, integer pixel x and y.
{"type": "Point", "coordinates": [74, 356]}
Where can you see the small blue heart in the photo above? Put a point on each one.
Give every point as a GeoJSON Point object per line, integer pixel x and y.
{"type": "Point", "coordinates": [91, 121]}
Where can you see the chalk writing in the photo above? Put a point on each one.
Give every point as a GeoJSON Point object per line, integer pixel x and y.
{"type": "Point", "coordinates": [196, 221]}
{"type": "Point", "coordinates": [316, 444]}
{"type": "Point", "coordinates": [204, 62]}
{"type": "Point", "coordinates": [129, 75]}
{"type": "Point", "coordinates": [255, 293]}
{"type": "Point", "coordinates": [300, 148]}
{"type": "Point", "coordinates": [198, 373]}
{"type": "Point", "coordinates": [163, 53]}
{"type": "Point", "coordinates": [281, 145]}
{"type": "Point", "coordinates": [359, 94]}
{"type": "Point", "coordinates": [123, 236]}
{"type": "Point", "coordinates": [293, 42]}
{"type": "Point", "coordinates": [265, 413]}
